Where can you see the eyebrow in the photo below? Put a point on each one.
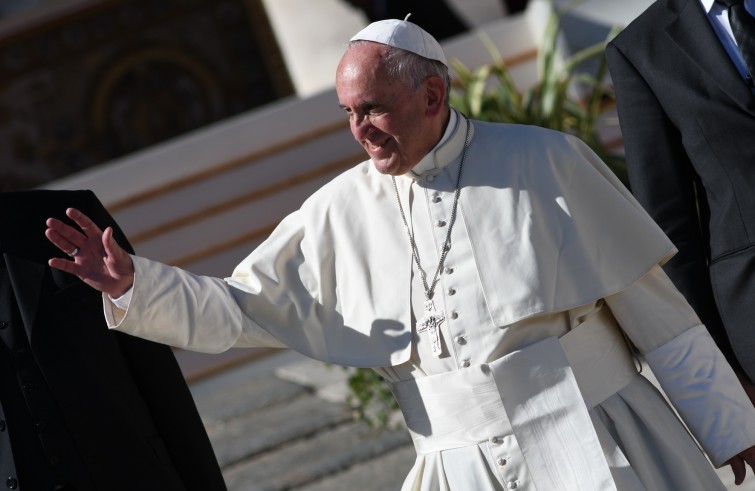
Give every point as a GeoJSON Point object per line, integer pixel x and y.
{"type": "Point", "coordinates": [364, 105]}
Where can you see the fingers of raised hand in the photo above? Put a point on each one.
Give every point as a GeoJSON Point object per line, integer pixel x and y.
{"type": "Point", "coordinates": [71, 240]}
{"type": "Point", "coordinates": [65, 238]}
{"type": "Point", "coordinates": [111, 246]}
{"type": "Point", "coordinates": [83, 221]}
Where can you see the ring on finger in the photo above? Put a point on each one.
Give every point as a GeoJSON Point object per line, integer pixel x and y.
{"type": "Point", "coordinates": [74, 252]}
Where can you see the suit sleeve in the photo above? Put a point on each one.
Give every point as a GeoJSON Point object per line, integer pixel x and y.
{"type": "Point", "coordinates": [663, 180]}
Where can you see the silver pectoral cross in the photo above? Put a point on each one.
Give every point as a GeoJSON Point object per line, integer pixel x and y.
{"type": "Point", "coordinates": [431, 323]}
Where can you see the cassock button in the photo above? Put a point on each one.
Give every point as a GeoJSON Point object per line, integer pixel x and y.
{"type": "Point", "coordinates": [440, 223]}
{"type": "Point", "coordinates": [461, 340]}
{"type": "Point", "coordinates": [501, 462]}
{"type": "Point", "coordinates": [465, 363]}
{"type": "Point", "coordinates": [12, 483]}
{"type": "Point", "coordinates": [496, 440]}
{"type": "Point", "coordinates": [454, 315]}
{"type": "Point", "coordinates": [449, 270]}
{"type": "Point", "coordinates": [513, 485]}
{"type": "Point", "coordinates": [3, 324]}
{"type": "Point", "coordinates": [451, 291]}
{"type": "Point", "coordinates": [437, 199]}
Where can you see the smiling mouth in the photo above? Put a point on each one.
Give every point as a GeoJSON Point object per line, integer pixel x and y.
{"type": "Point", "coordinates": [375, 146]}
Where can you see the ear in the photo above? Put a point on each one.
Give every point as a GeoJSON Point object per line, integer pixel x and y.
{"type": "Point", "coordinates": [435, 95]}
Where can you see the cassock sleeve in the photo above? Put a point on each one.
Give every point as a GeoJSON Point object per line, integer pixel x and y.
{"type": "Point", "coordinates": [177, 308]}
{"type": "Point", "coordinates": [688, 365]}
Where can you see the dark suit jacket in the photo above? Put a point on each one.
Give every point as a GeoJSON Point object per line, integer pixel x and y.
{"type": "Point", "coordinates": [125, 402]}
{"type": "Point", "coordinates": [688, 121]}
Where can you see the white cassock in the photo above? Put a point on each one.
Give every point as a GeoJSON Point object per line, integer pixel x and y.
{"type": "Point", "coordinates": [554, 270]}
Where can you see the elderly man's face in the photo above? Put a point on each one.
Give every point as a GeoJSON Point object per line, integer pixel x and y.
{"type": "Point", "coordinates": [395, 124]}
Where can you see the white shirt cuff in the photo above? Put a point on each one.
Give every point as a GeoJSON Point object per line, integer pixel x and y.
{"type": "Point", "coordinates": [124, 300]}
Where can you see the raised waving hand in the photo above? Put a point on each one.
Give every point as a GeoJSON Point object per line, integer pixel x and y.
{"type": "Point", "coordinates": [96, 257]}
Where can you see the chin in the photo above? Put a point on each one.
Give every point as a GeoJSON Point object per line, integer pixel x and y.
{"type": "Point", "coordinates": [392, 165]}
{"type": "Point", "coordinates": [388, 166]}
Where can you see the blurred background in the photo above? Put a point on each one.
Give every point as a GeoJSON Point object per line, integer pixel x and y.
{"type": "Point", "coordinates": [86, 82]}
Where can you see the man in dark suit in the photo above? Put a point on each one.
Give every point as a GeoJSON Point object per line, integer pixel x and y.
{"type": "Point", "coordinates": [687, 113]}
{"type": "Point", "coordinates": [81, 407]}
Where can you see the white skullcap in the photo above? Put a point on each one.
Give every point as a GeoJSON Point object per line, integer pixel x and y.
{"type": "Point", "coordinates": [405, 35]}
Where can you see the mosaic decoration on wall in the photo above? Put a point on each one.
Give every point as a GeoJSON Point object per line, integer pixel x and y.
{"type": "Point", "coordinates": [116, 76]}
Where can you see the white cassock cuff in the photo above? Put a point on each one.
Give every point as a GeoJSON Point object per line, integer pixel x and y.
{"type": "Point", "coordinates": [705, 391]}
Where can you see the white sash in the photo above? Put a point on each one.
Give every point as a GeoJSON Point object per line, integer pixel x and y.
{"type": "Point", "coordinates": [530, 402]}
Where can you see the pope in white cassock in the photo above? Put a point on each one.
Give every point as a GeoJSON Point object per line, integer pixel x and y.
{"type": "Point", "coordinates": [498, 276]}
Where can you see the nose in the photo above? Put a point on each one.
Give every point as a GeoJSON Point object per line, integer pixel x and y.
{"type": "Point", "coordinates": [360, 127]}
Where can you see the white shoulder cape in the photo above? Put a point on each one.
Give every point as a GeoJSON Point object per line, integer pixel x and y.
{"type": "Point", "coordinates": [551, 228]}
